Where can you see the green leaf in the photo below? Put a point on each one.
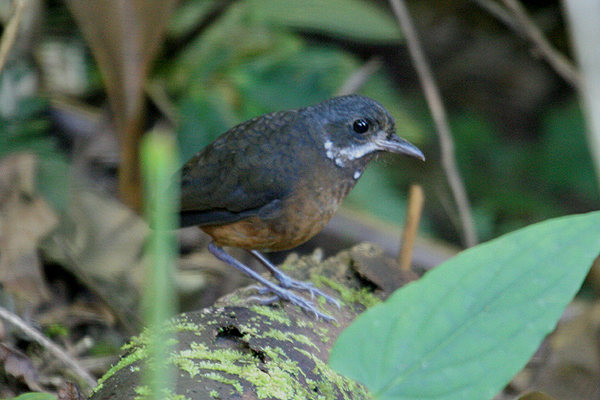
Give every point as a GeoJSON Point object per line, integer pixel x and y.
{"type": "Point", "coordinates": [315, 73]}
{"type": "Point", "coordinates": [28, 132]}
{"type": "Point", "coordinates": [159, 165]}
{"type": "Point", "coordinates": [202, 120]}
{"type": "Point", "coordinates": [189, 15]}
{"type": "Point", "coordinates": [356, 19]}
{"type": "Point", "coordinates": [35, 396]}
{"type": "Point", "coordinates": [566, 165]}
{"type": "Point", "coordinates": [468, 326]}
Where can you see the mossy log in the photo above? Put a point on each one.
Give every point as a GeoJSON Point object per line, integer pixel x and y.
{"type": "Point", "coordinates": [240, 350]}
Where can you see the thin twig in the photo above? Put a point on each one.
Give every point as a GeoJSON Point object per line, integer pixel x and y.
{"type": "Point", "coordinates": [411, 225]}
{"type": "Point", "coordinates": [441, 122]}
{"type": "Point", "coordinates": [499, 12]}
{"type": "Point", "coordinates": [356, 80]}
{"type": "Point", "coordinates": [558, 61]}
{"type": "Point", "coordinates": [517, 19]}
{"type": "Point", "coordinates": [48, 345]}
{"type": "Point", "coordinates": [11, 32]}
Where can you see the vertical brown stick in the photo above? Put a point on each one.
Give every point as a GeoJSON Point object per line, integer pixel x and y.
{"type": "Point", "coordinates": [413, 217]}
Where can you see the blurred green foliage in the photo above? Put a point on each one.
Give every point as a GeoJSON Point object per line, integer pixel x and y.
{"type": "Point", "coordinates": [25, 127]}
{"type": "Point", "coordinates": [36, 396]}
{"type": "Point", "coordinates": [354, 19]}
{"type": "Point", "coordinates": [565, 165]}
{"type": "Point", "coordinates": [513, 182]}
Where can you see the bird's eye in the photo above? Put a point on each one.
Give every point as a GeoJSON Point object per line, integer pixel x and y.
{"type": "Point", "coordinates": [361, 125]}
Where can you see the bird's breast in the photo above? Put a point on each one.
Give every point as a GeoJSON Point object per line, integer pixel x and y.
{"type": "Point", "coordinates": [305, 211]}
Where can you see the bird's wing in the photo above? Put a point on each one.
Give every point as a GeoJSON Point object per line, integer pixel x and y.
{"type": "Point", "coordinates": [244, 172]}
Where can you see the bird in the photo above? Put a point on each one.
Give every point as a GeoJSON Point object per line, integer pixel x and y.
{"type": "Point", "coordinates": [273, 182]}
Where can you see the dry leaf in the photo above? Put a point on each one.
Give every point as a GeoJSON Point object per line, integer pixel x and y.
{"type": "Point", "coordinates": [25, 218]}
{"type": "Point", "coordinates": [19, 366]}
{"type": "Point", "coordinates": [101, 241]}
{"type": "Point", "coordinates": [124, 37]}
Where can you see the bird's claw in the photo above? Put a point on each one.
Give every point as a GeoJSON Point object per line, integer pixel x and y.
{"type": "Point", "coordinates": [309, 287]}
{"type": "Point", "coordinates": [287, 282]}
{"type": "Point", "coordinates": [264, 301]}
{"type": "Point", "coordinates": [301, 302]}
{"type": "Point", "coordinates": [281, 293]}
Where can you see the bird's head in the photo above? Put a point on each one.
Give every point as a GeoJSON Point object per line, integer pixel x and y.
{"type": "Point", "coordinates": [355, 128]}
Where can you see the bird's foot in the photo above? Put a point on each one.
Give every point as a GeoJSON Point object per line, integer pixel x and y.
{"type": "Point", "coordinates": [287, 282]}
{"type": "Point", "coordinates": [280, 291]}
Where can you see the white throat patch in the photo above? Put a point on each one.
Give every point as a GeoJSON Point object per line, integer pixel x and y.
{"type": "Point", "coordinates": [341, 155]}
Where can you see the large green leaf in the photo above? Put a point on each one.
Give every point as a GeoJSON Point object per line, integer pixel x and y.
{"type": "Point", "coordinates": [356, 19]}
{"type": "Point", "coordinates": [469, 325]}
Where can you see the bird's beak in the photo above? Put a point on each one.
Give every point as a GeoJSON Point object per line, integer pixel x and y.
{"type": "Point", "coordinates": [395, 144]}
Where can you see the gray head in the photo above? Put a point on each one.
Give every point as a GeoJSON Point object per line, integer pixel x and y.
{"type": "Point", "coordinates": [356, 128]}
